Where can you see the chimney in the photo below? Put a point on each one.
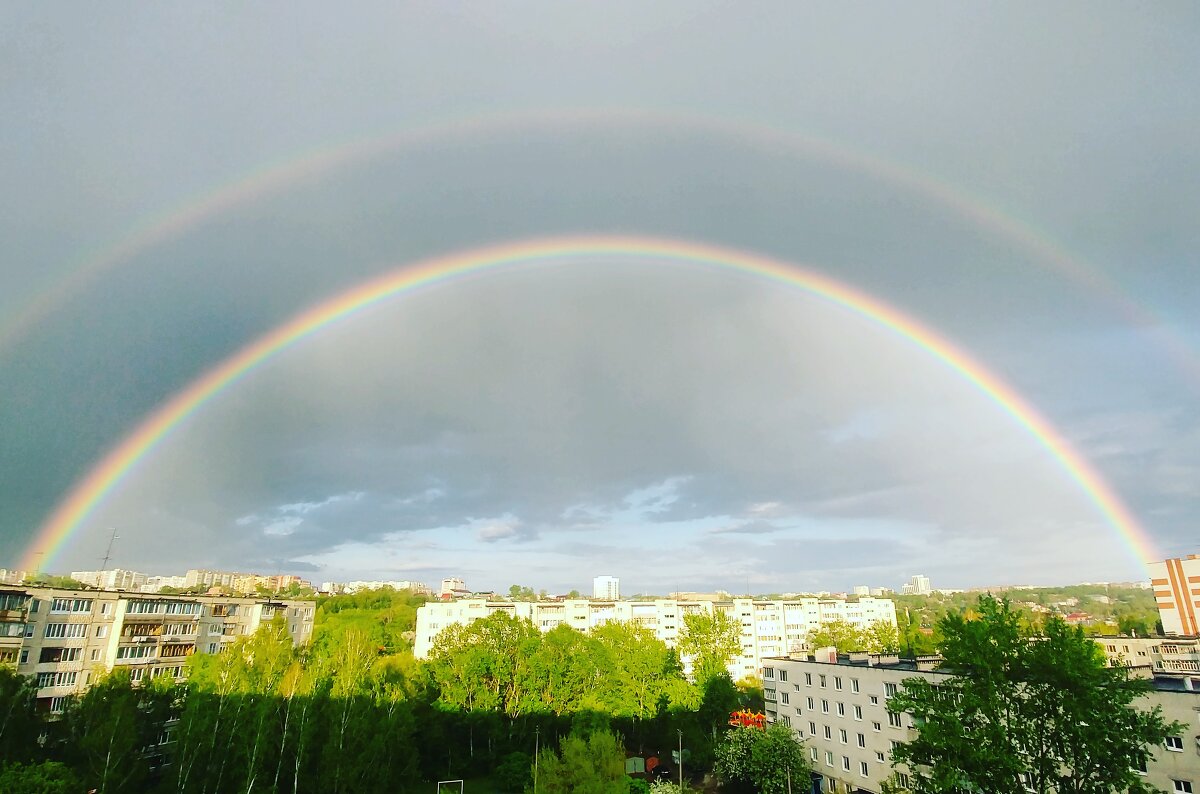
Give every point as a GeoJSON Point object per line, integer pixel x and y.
{"type": "Point", "coordinates": [827, 655]}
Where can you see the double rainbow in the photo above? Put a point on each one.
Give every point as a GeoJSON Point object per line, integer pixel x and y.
{"type": "Point", "coordinates": [90, 492]}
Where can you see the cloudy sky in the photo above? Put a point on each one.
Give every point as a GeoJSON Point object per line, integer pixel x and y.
{"type": "Point", "coordinates": [177, 181]}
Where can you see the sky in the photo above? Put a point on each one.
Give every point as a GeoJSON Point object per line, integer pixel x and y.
{"type": "Point", "coordinates": [176, 181]}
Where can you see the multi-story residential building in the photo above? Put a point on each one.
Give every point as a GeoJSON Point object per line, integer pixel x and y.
{"type": "Point", "coordinates": [607, 588]}
{"type": "Point", "coordinates": [1161, 654]}
{"type": "Point", "coordinates": [768, 628]}
{"type": "Point", "coordinates": [1176, 584]}
{"type": "Point", "coordinates": [451, 585]}
{"type": "Point", "coordinates": [63, 638]}
{"type": "Point", "coordinates": [112, 579]}
{"type": "Point", "coordinates": [156, 583]}
{"type": "Point", "coordinates": [917, 585]}
{"type": "Point", "coordinates": [838, 705]}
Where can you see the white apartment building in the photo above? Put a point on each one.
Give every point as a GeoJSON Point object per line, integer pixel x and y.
{"type": "Point", "coordinates": [63, 637]}
{"type": "Point", "coordinates": [113, 579]}
{"type": "Point", "coordinates": [769, 628]}
{"type": "Point", "coordinates": [917, 585]}
{"type": "Point", "coordinates": [156, 583]}
{"type": "Point", "coordinates": [838, 706]}
{"type": "Point", "coordinates": [607, 588]}
{"type": "Point", "coordinates": [451, 585]}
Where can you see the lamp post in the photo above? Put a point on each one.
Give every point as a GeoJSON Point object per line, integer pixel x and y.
{"type": "Point", "coordinates": [680, 732]}
{"type": "Point", "coordinates": [537, 736]}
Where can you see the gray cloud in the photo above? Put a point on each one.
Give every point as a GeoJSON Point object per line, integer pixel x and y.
{"type": "Point", "coordinates": [607, 416]}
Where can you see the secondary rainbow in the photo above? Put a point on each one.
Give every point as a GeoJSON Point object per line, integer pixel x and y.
{"type": "Point", "coordinates": [274, 178]}
{"type": "Point", "coordinates": [106, 475]}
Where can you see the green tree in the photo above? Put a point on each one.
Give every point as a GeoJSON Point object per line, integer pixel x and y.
{"type": "Point", "coordinates": [846, 637]}
{"type": "Point", "coordinates": [48, 777]}
{"type": "Point", "coordinates": [711, 641]}
{"type": "Point", "coordinates": [19, 722]}
{"type": "Point", "coordinates": [752, 760]}
{"type": "Point", "coordinates": [595, 765]}
{"type": "Point", "coordinates": [1024, 711]}
{"type": "Point", "coordinates": [882, 637]}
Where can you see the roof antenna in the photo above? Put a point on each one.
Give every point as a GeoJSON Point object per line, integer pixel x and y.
{"type": "Point", "coordinates": [108, 552]}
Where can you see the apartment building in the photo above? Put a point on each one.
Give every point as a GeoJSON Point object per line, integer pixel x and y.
{"type": "Point", "coordinates": [606, 587]}
{"type": "Point", "coordinates": [112, 579]}
{"type": "Point", "coordinates": [64, 637]}
{"type": "Point", "coordinates": [768, 628]}
{"type": "Point", "coordinates": [1176, 584]}
{"type": "Point", "coordinates": [838, 705]}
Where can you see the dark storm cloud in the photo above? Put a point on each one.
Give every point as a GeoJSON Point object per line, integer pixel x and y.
{"type": "Point", "coordinates": [515, 417]}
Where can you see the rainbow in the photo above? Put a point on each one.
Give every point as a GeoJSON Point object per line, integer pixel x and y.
{"type": "Point", "coordinates": [313, 164]}
{"type": "Point", "coordinates": [104, 477]}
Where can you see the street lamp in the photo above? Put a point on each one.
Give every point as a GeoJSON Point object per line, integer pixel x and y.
{"type": "Point", "coordinates": [537, 736]}
{"type": "Point", "coordinates": [680, 732]}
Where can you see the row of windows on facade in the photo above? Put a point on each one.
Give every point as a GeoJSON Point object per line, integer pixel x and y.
{"type": "Point", "coordinates": [769, 672]}
{"type": "Point", "coordinates": [840, 708]}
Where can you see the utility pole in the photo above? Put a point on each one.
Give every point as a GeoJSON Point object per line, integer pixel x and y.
{"type": "Point", "coordinates": [680, 732]}
{"type": "Point", "coordinates": [537, 736]}
{"type": "Point", "coordinates": [108, 552]}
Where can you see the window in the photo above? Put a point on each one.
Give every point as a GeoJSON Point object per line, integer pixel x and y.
{"type": "Point", "coordinates": [863, 769]}
{"type": "Point", "coordinates": [1183, 785]}
{"type": "Point", "coordinates": [63, 678]}
{"type": "Point", "coordinates": [105, 607]}
{"type": "Point", "coordinates": [858, 713]}
{"type": "Point", "coordinates": [810, 704]}
{"type": "Point", "coordinates": [853, 684]}
{"type": "Point", "coordinates": [68, 630]}
{"type": "Point", "coordinates": [862, 740]}
{"type": "Point", "coordinates": [889, 688]}
{"type": "Point", "coordinates": [815, 755]}
{"type": "Point", "coordinates": [136, 674]}
{"type": "Point", "coordinates": [95, 654]}
{"type": "Point", "coordinates": [902, 779]}
{"type": "Point", "coordinates": [768, 672]}
{"type": "Point", "coordinates": [879, 757]}
{"type": "Point", "coordinates": [828, 732]}
{"type": "Point", "coordinates": [874, 700]}
{"type": "Point", "coordinates": [58, 705]}
{"type": "Point", "coordinates": [24, 655]}
{"type": "Point", "coordinates": [102, 631]}
{"type": "Point", "coordinates": [135, 651]}
{"type": "Point", "coordinates": [1174, 744]}
{"type": "Point", "coordinates": [843, 736]}
{"type": "Point", "coordinates": [812, 728]}
{"type": "Point", "coordinates": [808, 680]}
{"type": "Point", "coordinates": [783, 675]}
{"type": "Point", "coordinates": [828, 759]}
{"type": "Point", "coordinates": [787, 720]}
{"type": "Point", "coordinates": [846, 763]}
{"type": "Point", "coordinates": [894, 720]}
{"type": "Point", "coordinates": [824, 706]}
{"type": "Point", "coordinates": [1139, 766]}
{"type": "Point", "coordinates": [783, 696]}
{"type": "Point", "coordinates": [822, 682]}
{"type": "Point", "coordinates": [51, 655]}
{"type": "Point", "coordinates": [841, 709]}
{"type": "Point", "coordinates": [875, 726]}
{"type": "Point", "coordinates": [837, 682]}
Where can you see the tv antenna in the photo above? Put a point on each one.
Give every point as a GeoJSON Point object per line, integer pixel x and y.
{"type": "Point", "coordinates": [108, 551]}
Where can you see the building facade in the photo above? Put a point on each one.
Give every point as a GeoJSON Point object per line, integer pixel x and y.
{"type": "Point", "coordinates": [65, 638]}
{"type": "Point", "coordinates": [1176, 584]}
{"type": "Point", "coordinates": [113, 579]}
{"type": "Point", "coordinates": [768, 628]}
{"type": "Point", "coordinates": [607, 588]}
{"type": "Point", "coordinates": [838, 706]}
{"type": "Point", "coordinates": [402, 584]}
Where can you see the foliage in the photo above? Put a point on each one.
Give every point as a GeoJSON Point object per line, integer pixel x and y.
{"type": "Point", "coordinates": [595, 765]}
{"type": "Point", "coordinates": [515, 772]}
{"type": "Point", "coordinates": [711, 640]}
{"type": "Point", "coordinates": [1025, 710]}
{"type": "Point", "coordinates": [51, 580]}
{"type": "Point", "coordinates": [519, 593]}
{"type": "Point", "coordinates": [48, 777]}
{"type": "Point", "coordinates": [20, 726]}
{"type": "Point", "coordinates": [753, 760]}
{"type": "Point", "coordinates": [879, 637]}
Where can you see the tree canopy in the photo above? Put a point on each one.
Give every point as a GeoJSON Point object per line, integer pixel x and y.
{"type": "Point", "coordinates": [1023, 709]}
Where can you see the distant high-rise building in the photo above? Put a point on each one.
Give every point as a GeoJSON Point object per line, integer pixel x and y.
{"type": "Point", "coordinates": [607, 588]}
{"type": "Point", "coordinates": [862, 590]}
{"type": "Point", "coordinates": [917, 585]}
{"type": "Point", "coordinates": [114, 579]}
{"type": "Point", "coordinates": [452, 585]}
